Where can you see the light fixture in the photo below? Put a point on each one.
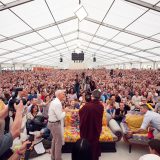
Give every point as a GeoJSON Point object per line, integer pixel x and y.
{"type": "Point", "coordinates": [81, 13]}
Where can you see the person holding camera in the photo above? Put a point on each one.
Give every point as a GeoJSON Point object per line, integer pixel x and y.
{"type": "Point", "coordinates": [20, 152]}
{"type": "Point", "coordinates": [6, 140]}
{"type": "Point", "coordinates": [3, 114]}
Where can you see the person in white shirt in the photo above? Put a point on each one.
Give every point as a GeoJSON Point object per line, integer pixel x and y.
{"type": "Point", "coordinates": [154, 148]}
{"type": "Point", "coordinates": [56, 115]}
{"type": "Point", "coordinates": [149, 157]}
{"type": "Point", "coordinates": [151, 119]}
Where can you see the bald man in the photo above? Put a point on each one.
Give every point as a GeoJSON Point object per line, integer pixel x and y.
{"type": "Point", "coordinates": [56, 115]}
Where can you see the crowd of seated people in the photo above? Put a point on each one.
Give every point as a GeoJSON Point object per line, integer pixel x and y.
{"type": "Point", "coordinates": [131, 88]}
{"type": "Point", "coordinates": [122, 90]}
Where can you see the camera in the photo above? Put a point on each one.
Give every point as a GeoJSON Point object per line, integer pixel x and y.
{"type": "Point", "coordinates": [16, 100]}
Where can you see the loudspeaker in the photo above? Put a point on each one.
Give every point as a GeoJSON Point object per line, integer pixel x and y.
{"type": "Point", "coordinates": [74, 56]}
{"type": "Point", "coordinates": [81, 56]}
{"type": "Point", "coordinates": [94, 59]}
{"type": "Point", "coordinates": [61, 59]}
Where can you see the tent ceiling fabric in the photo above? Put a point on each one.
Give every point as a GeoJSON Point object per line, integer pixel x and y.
{"type": "Point", "coordinates": [39, 32]}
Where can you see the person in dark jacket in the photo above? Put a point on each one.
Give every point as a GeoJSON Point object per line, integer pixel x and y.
{"type": "Point", "coordinates": [121, 112]}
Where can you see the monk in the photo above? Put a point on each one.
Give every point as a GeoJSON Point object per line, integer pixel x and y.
{"type": "Point", "coordinates": [91, 123]}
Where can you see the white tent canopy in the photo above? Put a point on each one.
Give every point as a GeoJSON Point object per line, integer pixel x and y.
{"type": "Point", "coordinates": [119, 33]}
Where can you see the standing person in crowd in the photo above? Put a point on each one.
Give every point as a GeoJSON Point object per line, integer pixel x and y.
{"type": "Point", "coordinates": [83, 80]}
{"type": "Point", "coordinates": [87, 86]}
{"type": "Point", "coordinates": [91, 123]}
{"type": "Point", "coordinates": [56, 115]}
{"type": "Point", "coordinates": [77, 86]}
{"type": "Point", "coordinates": [46, 105]}
{"type": "Point", "coordinates": [111, 73]}
{"type": "Point", "coordinates": [92, 84]}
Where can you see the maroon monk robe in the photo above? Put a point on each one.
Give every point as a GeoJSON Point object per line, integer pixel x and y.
{"type": "Point", "coordinates": [91, 125]}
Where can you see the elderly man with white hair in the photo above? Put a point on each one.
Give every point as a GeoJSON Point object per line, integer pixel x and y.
{"type": "Point", "coordinates": [56, 115]}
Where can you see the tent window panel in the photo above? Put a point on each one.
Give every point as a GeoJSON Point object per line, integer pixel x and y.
{"type": "Point", "coordinates": [145, 44]}
{"type": "Point", "coordinates": [62, 9]}
{"type": "Point", "coordinates": [42, 45]}
{"type": "Point", "coordinates": [118, 17]}
{"type": "Point", "coordinates": [70, 37]}
{"type": "Point", "coordinates": [148, 24]}
{"type": "Point", "coordinates": [35, 13]}
{"type": "Point", "coordinates": [106, 32]}
{"type": "Point", "coordinates": [99, 41]}
{"type": "Point", "coordinates": [57, 41]}
{"type": "Point", "coordinates": [10, 24]}
{"type": "Point", "coordinates": [113, 45]}
{"type": "Point", "coordinates": [68, 26]}
{"type": "Point", "coordinates": [50, 32]}
{"type": "Point", "coordinates": [29, 38]}
{"type": "Point", "coordinates": [10, 45]}
{"type": "Point", "coordinates": [85, 25]}
{"type": "Point", "coordinates": [127, 38]}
